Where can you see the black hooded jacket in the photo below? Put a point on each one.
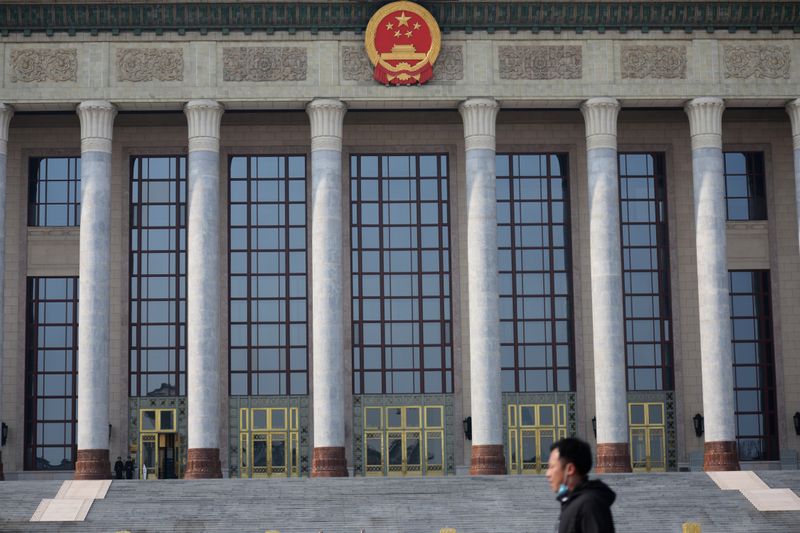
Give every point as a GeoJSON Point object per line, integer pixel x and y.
{"type": "Point", "coordinates": [587, 509]}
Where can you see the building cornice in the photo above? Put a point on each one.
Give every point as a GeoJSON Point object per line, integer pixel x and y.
{"type": "Point", "coordinates": [513, 17]}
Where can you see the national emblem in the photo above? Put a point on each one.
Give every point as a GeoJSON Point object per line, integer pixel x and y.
{"type": "Point", "coordinates": [403, 41]}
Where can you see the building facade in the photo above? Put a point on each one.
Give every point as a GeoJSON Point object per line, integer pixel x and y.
{"type": "Point", "coordinates": [228, 250]}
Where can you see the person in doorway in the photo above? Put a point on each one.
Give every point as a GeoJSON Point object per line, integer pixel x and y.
{"type": "Point", "coordinates": [118, 467]}
{"type": "Point", "coordinates": [129, 468]}
{"type": "Point", "coordinates": [585, 504]}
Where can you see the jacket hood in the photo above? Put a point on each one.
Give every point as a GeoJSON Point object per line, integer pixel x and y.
{"type": "Point", "coordinates": [595, 488]}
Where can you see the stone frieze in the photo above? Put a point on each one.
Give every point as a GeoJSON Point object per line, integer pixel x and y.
{"type": "Point", "coordinates": [666, 62]}
{"type": "Point", "coordinates": [541, 62]}
{"type": "Point", "coordinates": [264, 63]}
{"type": "Point", "coordinates": [744, 61]}
{"type": "Point", "coordinates": [43, 65]}
{"type": "Point", "coordinates": [149, 64]}
{"type": "Point", "coordinates": [356, 66]}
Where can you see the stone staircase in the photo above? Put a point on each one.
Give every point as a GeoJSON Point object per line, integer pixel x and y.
{"type": "Point", "coordinates": [647, 503]}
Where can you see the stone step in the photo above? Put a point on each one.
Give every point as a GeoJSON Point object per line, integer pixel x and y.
{"type": "Point", "coordinates": [647, 503]}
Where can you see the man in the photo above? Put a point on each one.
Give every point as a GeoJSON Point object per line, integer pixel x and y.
{"type": "Point", "coordinates": [129, 468]}
{"type": "Point", "coordinates": [585, 504]}
{"type": "Point", "coordinates": [119, 467]}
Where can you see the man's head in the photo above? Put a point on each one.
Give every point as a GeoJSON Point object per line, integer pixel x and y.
{"type": "Point", "coordinates": [119, 458]}
{"type": "Point", "coordinates": [570, 462]}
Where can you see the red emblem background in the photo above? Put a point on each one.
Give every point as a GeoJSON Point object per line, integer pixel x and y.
{"type": "Point", "coordinates": [403, 41]}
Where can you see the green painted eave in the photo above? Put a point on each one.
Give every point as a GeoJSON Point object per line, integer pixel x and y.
{"type": "Point", "coordinates": [269, 17]}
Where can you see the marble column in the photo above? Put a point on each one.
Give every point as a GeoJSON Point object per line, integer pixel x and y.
{"type": "Point", "coordinates": [203, 290]}
{"type": "Point", "coordinates": [327, 117]}
{"type": "Point", "coordinates": [716, 357]}
{"type": "Point", "coordinates": [793, 108]}
{"type": "Point", "coordinates": [6, 112]}
{"type": "Point", "coordinates": [479, 116]}
{"type": "Point", "coordinates": [97, 124]}
{"type": "Point", "coordinates": [608, 342]}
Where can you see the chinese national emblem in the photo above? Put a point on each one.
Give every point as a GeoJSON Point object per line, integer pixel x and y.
{"type": "Point", "coordinates": [403, 41]}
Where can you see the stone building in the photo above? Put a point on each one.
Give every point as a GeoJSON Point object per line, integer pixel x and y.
{"type": "Point", "coordinates": [584, 223]}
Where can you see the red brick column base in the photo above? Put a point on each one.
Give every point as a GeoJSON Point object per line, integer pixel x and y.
{"type": "Point", "coordinates": [328, 461]}
{"type": "Point", "coordinates": [613, 457]}
{"type": "Point", "coordinates": [92, 464]}
{"type": "Point", "coordinates": [202, 463]}
{"type": "Point", "coordinates": [487, 460]}
{"type": "Point", "coordinates": [720, 456]}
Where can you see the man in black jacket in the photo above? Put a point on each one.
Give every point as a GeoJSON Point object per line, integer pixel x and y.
{"type": "Point", "coordinates": [585, 504]}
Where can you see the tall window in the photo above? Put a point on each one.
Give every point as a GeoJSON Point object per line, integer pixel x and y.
{"type": "Point", "coordinates": [268, 276]}
{"type": "Point", "coordinates": [753, 365]}
{"type": "Point", "coordinates": [54, 191]}
{"type": "Point", "coordinates": [51, 371]}
{"type": "Point", "coordinates": [534, 264]}
{"type": "Point", "coordinates": [745, 193]}
{"type": "Point", "coordinates": [402, 340]}
{"type": "Point", "coordinates": [645, 271]}
{"type": "Point", "coordinates": [158, 276]}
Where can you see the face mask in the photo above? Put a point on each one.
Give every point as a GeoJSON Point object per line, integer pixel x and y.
{"type": "Point", "coordinates": [563, 489]}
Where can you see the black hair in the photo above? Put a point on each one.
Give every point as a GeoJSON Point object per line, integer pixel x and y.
{"type": "Point", "coordinates": [575, 451]}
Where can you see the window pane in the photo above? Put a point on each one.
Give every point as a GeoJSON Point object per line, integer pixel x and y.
{"type": "Point", "coordinates": [744, 186]}
{"type": "Point", "coordinates": [645, 270]}
{"type": "Point", "coordinates": [753, 365]}
{"type": "Point", "coordinates": [51, 370]}
{"type": "Point", "coordinates": [54, 191]}
{"type": "Point", "coordinates": [400, 285]}
{"type": "Point", "coordinates": [158, 276]}
{"type": "Point", "coordinates": [534, 267]}
{"type": "Point", "coordinates": [267, 289]}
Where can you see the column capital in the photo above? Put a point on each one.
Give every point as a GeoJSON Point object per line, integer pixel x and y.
{"type": "Point", "coordinates": [793, 108]}
{"type": "Point", "coordinates": [600, 115]}
{"type": "Point", "coordinates": [705, 121]}
{"type": "Point", "coordinates": [203, 118]}
{"type": "Point", "coordinates": [327, 119]}
{"type": "Point", "coordinates": [97, 125]}
{"type": "Point", "coordinates": [479, 116]}
{"type": "Point", "coordinates": [6, 112]}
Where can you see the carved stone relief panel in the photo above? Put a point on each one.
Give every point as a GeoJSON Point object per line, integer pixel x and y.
{"type": "Point", "coordinates": [42, 65]}
{"type": "Point", "coordinates": [639, 62]}
{"type": "Point", "coordinates": [449, 66]}
{"type": "Point", "coordinates": [264, 64]}
{"type": "Point", "coordinates": [149, 64]}
{"type": "Point", "coordinates": [356, 65]}
{"type": "Point", "coordinates": [745, 61]}
{"type": "Point", "coordinates": [541, 62]}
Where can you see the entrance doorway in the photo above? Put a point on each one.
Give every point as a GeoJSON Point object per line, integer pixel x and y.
{"type": "Point", "coordinates": [532, 429]}
{"type": "Point", "coordinates": [160, 445]}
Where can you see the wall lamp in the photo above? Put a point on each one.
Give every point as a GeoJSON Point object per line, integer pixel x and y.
{"type": "Point", "coordinates": [468, 427]}
{"type": "Point", "coordinates": [699, 425]}
{"type": "Point", "coordinates": [796, 423]}
{"type": "Point", "coordinates": [4, 433]}
{"type": "Point", "coordinates": [594, 426]}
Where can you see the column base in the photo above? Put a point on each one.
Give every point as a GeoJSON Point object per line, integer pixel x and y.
{"type": "Point", "coordinates": [328, 461]}
{"type": "Point", "coordinates": [613, 457]}
{"type": "Point", "coordinates": [720, 456]}
{"type": "Point", "coordinates": [92, 464]}
{"type": "Point", "coordinates": [202, 463]}
{"type": "Point", "coordinates": [487, 460]}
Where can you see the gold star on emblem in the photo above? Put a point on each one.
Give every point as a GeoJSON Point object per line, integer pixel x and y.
{"type": "Point", "coordinates": [402, 20]}
{"type": "Point", "coordinates": [389, 26]}
{"type": "Point", "coordinates": [408, 34]}
{"type": "Point", "coordinates": [397, 33]}
{"type": "Point", "coordinates": [416, 25]}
